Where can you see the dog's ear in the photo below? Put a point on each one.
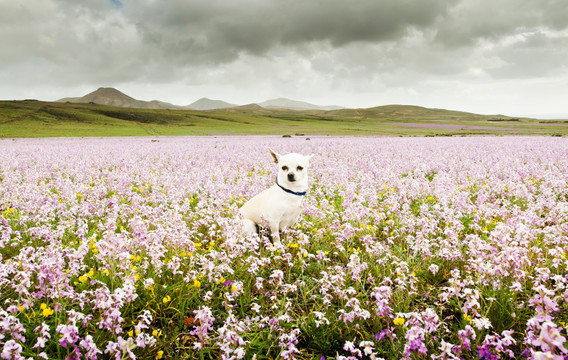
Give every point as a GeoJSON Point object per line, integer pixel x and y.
{"type": "Point", "coordinates": [275, 155]}
{"type": "Point", "coordinates": [309, 158]}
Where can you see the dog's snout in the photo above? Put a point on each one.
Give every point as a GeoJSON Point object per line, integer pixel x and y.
{"type": "Point", "coordinates": [291, 177]}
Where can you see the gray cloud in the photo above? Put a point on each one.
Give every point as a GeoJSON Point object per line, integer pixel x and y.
{"type": "Point", "coordinates": [295, 46]}
{"type": "Point", "coordinates": [218, 31]}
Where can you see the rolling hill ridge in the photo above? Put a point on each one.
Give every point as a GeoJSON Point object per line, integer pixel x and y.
{"type": "Point", "coordinates": [32, 118]}
{"type": "Point", "coordinates": [114, 97]}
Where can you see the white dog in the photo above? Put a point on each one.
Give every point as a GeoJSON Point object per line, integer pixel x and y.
{"type": "Point", "coordinates": [280, 205]}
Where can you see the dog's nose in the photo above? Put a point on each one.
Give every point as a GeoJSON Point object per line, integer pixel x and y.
{"type": "Point", "coordinates": [291, 177]}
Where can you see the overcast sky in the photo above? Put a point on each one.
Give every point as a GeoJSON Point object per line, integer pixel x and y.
{"type": "Point", "coordinates": [483, 56]}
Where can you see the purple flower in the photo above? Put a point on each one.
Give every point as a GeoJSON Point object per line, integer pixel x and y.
{"type": "Point", "coordinates": [204, 318]}
{"type": "Point", "coordinates": [415, 341]}
{"type": "Point", "coordinates": [550, 338]}
{"type": "Point", "coordinates": [466, 335]}
{"type": "Point", "coordinates": [90, 348]}
{"type": "Point", "coordinates": [69, 334]}
{"type": "Point", "coordinates": [11, 350]}
{"type": "Point", "coordinates": [484, 353]}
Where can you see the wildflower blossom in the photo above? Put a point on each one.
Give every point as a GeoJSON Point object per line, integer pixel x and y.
{"type": "Point", "coordinates": [69, 334]}
{"type": "Point", "coordinates": [45, 310]}
{"type": "Point", "coordinates": [398, 321]}
{"type": "Point", "coordinates": [550, 338]}
{"type": "Point", "coordinates": [11, 350]}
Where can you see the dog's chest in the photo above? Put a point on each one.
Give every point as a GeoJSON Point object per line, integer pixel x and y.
{"type": "Point", "coordinates": [290, 210]}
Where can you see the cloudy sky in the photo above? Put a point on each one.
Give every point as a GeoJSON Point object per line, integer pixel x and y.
{"type": "Point", "coordinates": [483, 56]}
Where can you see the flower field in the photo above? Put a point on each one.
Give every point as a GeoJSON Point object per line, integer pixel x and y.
{"type": "Point", "coordinates": [412, 248]}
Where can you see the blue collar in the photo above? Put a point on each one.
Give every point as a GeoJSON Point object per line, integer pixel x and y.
{"type": "Point", "coordinates": [301, 193]}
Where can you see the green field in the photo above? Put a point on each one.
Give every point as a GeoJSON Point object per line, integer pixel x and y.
{"type": "Point", "coordinates": [30, 118]}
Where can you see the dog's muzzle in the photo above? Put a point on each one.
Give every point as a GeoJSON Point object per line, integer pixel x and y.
{"type": "Point", "coordinates": [291, 177]}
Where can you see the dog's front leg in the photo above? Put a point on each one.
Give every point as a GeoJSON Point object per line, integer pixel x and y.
{"type": "Point", "coordinates": [249, 227]}
{"type": "Point", "coordinates": [275, 233]}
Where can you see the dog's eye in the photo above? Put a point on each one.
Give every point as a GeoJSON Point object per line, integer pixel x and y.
{"type": "Point", "coordinates": [285, 168]}
{"type": "Point", "coordinates": [299, 168]}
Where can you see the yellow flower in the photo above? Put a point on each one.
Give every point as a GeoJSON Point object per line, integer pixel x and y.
{"type": "Point", "coordinates": [196, 283]}
{"type": "Point", "coordinates": [467, 317]}
{"type": "Point", "coordinates": [160, 355]}
{"type": "Point", "coordinates": [21, 308]}
{"type": "Point", "coordinates": [167, 299]}
{"type": "Point", "coordinates": [46, 311]}
{"type": "Point", "coordinates": [130, 333]}
{"type": "Point", "coordinates": [398, 321]}
{"type": "Point", "coordinates": [82, 278]}
{"type": "Point", "coordinates": [157, 333]}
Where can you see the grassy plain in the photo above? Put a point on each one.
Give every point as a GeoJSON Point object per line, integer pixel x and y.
{"type": "Point", "coordinates": [30, 118]}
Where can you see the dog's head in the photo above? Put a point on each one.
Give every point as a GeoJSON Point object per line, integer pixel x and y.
{"type": "Point", "coordinates": [292, 169]}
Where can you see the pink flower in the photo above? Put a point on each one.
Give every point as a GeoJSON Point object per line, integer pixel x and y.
{"type": "Point", "coordinates": [69, 334]}
{"type": "Point", "coordinates": [550, 338]}
{"type": "Point", "coordinates": [538, 355]}
{"type": "Point", "coordinates": [447, 352]}
{"type": "Point", "coordinates": [206, 319]}
{"type": "Point", "coordinates": [466, 335]}
{"type": "Point", "coordinates": [415, 341]}
{"type": "Point", "coordinates": [11, 350]}
{"type": "Point", "coordinates": [433, 269]}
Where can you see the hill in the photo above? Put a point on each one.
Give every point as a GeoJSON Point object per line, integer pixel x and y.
{"type": "Point", "coordinates": [114, 97]}
{"type": "Point", "coordinates": [32, 118]}
{"type": "Point", "coordinates": [208, 104]}
{"type": "Point", "coordinates": [283, 103]}
{"type": "Point", "coordinates": [408, 112]}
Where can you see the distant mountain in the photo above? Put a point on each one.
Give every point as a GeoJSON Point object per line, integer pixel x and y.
{"type": "Point", "coordinates": [251, 109]}
{"type": "Point", "coordinates": [113, 97]}
{"type": "Point", "coordinates": [208, 104]}
{"type": "Point", "coordinates": [406, 112]}
{"type": "Point", "coordinates": [69, 99]}
{"type": "Point", "coordinates": [283, 103]}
